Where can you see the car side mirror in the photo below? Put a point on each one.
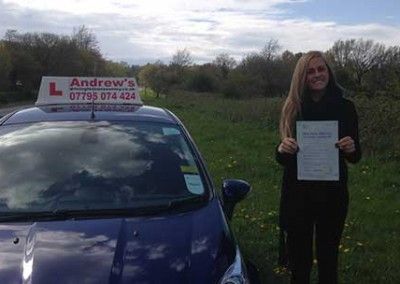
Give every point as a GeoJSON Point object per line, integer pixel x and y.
{"type": "Point", "coordinates": [233, 191]}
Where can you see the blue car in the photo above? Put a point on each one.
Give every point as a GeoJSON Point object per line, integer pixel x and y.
{"type": "Point", "coordinates": [111, 193]}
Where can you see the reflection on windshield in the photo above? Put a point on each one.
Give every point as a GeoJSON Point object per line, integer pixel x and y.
{"type": "Point", "coordinates": [86, 165]}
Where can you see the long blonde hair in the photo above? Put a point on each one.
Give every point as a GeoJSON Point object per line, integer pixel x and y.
{"type": "Point", "coordinates": [292, 105]}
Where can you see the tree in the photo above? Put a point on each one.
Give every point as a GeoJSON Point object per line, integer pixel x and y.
{"type": "Point", "coordinates": [134, 71]}
{"type": "Point", "coordinates": [357, 57]}
{"type": "Point", "coordinates": [225, 63]}
{"type": "Point", "coordinates": [144, 76]}
{"type": "Point", "coordinates": [286, 63]}
{"type": "Point", "coordinates": [5, 67]}
{"type": "Point", "coordinates": [178, 67]}
{"type": "Point", "coordinates": [26, 71]}
{"type": "Point", "coordinates": [157, 76]}
{"type": "Point", "coordinates": [84, 38]}
{"type": "Point", "coordinates": [239, 85]}
{"type": "Point", "coordinates": [393, 67]}
{"type": "Point", "coordinates": [340, 53]}
{"type": "Point", "coordinates": [43, 49]}
{"type": "Point", "coordinates": [202, 78]}
{"type": "Point", "coordinates": [34, 55]}
{"type": "Point", "coordinates": [182, 58]}
{"type": "Point", "coordinates": [65, 59]}
{"type": "Point", "coordinates": [270, 49]}
{"type": "Point", "coordinates": [384, 78]}
{"type": "Point", "coordinates": [266, 71]}
{"type": "Point", "coordinates": [365, 56]}
{"type": "Point", "coordinates": [160, 80]}
{"type": "Point", "coordinates": [115, 69]}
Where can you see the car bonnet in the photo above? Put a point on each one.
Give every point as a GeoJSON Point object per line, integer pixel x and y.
{"type": "Point", "coordinates": [191, 247]}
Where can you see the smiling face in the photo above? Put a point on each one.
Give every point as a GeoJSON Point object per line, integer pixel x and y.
{"type": "Point", "coordinates": [317, 75]}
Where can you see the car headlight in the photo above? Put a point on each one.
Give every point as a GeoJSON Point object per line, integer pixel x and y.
{"type": "Point", "coordinates": [236, 273]}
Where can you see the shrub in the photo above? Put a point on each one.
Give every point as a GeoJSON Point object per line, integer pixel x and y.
{"type": "Point", "coordinates": [201, 81]}
{"type": "Point", "coordinates": [379, 126]}
{"type": "Point", "coordinates": [238, 85]}
{"type": "Point", "coordinates": [17, 96]}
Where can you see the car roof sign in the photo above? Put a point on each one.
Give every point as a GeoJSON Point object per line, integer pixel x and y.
{"type": "Point", "coordinates": [85, 90]}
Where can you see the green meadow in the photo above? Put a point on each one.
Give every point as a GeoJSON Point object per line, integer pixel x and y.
{"type": "Point", "coordinates": [237, 138]}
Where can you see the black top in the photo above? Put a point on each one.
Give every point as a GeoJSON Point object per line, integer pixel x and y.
{"type": "Point", "coordinates": [330, 107]}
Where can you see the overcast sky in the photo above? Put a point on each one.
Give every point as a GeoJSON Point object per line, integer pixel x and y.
{"type": "Point", "coordinates": [140, 31]}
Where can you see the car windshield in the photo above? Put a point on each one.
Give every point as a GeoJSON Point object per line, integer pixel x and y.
{"type": "Point", "coordinates": [94, 165]}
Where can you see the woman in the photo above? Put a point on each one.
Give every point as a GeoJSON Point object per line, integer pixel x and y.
{"type": "Point", "coordinates": [314, 206]}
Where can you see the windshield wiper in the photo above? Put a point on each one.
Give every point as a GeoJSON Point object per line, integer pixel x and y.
{"type": "Point", "coordinates": [156, 208]}
{"type": "Point", "coordinates": [169, 206]}
{"type": "Point", "coordinates": [34, 216]}
{"type": "Point", "coordinates": [193, 199]}
{"type": "Point", "coordinates": [61, 214]}
{"type": "Point", "coordinates": [9, 217]}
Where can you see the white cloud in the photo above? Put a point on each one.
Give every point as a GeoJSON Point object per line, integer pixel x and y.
{"type": "Point", "coordinates": [140, 31]}
{"type": "Point", "coordinates": [156, 7]}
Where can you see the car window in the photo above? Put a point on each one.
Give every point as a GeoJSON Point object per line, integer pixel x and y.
{"type": "Point", "coordinates": [94, 165]}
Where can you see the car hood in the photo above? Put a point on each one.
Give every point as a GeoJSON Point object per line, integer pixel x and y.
{"type": "Point", "coordinates": [191, 247]}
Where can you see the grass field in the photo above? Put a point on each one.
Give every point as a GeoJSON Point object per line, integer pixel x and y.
{"type": "Point", "coordinates": [237, 139]}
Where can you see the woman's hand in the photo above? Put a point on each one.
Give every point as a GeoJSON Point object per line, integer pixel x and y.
{"type": "Point", "coordinates": [346, 144]}
{"type": "Point", "coordinates": [288, 145]}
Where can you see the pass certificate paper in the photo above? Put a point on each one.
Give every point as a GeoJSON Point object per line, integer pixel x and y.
{"type": "Point", "coordinates": [317, 158]}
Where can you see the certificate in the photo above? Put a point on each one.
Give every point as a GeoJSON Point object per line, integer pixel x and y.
{"type": "Point", "coordinates": [317, 158]}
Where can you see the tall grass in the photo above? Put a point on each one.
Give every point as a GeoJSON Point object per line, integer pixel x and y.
{"type": "Point", "coordinates": [379, 118]}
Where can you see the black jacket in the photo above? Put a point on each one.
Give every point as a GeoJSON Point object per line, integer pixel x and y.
{"type": "Point", "coordinates": [331, 107]}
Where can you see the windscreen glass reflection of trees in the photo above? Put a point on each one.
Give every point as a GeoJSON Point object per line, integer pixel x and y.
{"type": "Point", "coordinates": [86, 165]}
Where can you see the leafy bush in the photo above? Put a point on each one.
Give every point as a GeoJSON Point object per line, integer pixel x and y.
{"type": "Point", "coordinates": [201, 81]}
{"type": "Point", "coordinates": [17, 96]}
{"type": "Point", "coordinates": [238, 85]}
{"type": "Point", "coordinates": [379, 126]}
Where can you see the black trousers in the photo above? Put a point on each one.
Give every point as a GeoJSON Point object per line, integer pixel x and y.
{"type": "Point", "coordinates": [320, 213]}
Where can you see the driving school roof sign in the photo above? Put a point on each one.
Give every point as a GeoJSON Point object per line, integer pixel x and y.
{"type": "Point", "coordinates": [78, 90]}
